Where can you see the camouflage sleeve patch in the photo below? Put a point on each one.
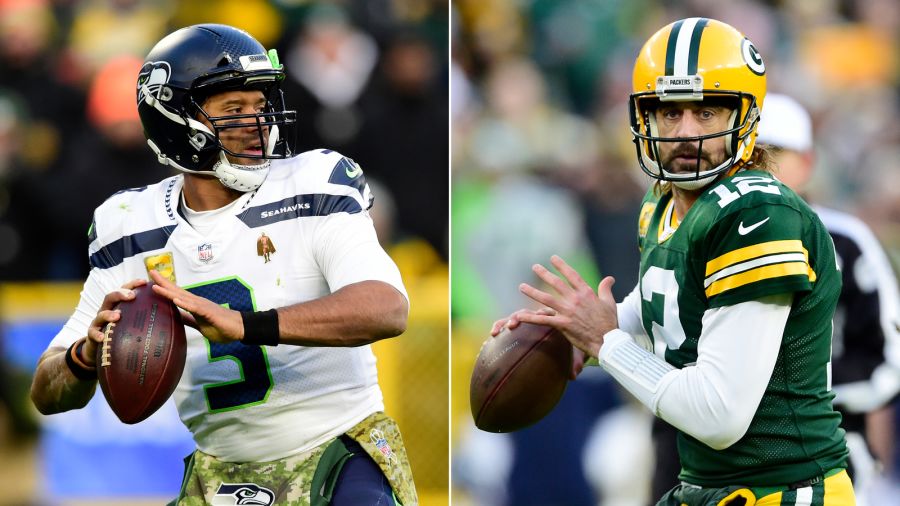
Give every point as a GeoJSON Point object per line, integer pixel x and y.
{"type": "Point", "coordinates": [380, 437]}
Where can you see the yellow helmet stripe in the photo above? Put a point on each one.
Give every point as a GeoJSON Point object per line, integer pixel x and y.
{"type": "Point", "coordinates": [683, 46]}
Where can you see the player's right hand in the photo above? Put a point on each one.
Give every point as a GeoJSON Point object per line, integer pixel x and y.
{"type": "Point", "coordinates": [105, 315]}
{"type": "Point", "coordinates": [512, 321]}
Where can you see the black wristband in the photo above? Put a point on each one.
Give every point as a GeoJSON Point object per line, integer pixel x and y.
{"type": "Point", "coordinates": [261, 327]}
{"type": "Point", "coordinates": [78, 368]}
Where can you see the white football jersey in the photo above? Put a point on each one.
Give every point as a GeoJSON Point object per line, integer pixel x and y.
{"type": "Point", "coordinates": [303, 234]}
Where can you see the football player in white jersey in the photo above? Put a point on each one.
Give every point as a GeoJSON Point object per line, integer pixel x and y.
{"type": "Point", "coordinates": [274, 261]}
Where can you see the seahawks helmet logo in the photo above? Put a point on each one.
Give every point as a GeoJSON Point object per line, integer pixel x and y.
{"type": "Point", "coordinates": [230, 494]}
{"type": "Point", "coordinates": [153, 77]}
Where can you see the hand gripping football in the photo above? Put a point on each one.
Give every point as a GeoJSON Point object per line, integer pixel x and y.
{"type": "Point", "coordinates": [142, 355]}
{"type": "Point", "coordinates": [519, 377]}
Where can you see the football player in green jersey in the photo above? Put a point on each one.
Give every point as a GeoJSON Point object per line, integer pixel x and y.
{"type": "Point", "coordinates": [738, 284]}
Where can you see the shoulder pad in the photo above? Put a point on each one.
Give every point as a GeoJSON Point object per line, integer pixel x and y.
{"type": "Point", "coordinates": [324, 171]}
{"type": "Point", "coordinates": [745, 190]}
{"type": "Point", "coordinates": [314, 183]}
{"type": "Point", "coordinates": [130, 222]}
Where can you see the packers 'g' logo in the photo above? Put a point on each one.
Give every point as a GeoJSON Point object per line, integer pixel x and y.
{"type": "Point", "coordinates": [752, 58]}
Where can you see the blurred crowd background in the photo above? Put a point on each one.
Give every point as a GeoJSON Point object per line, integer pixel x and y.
{"type": "Point", "coordinates": [543, 163]}
{"type": "Point", "coordinates": [369, 78]}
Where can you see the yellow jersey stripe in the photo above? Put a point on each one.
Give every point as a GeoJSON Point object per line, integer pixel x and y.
{"type": "Point", "coordinates": [752, 264]}
{"type": "Point", "coordinates": [758, 274]}
{"type": "Point", "coordinates": [754, 251]}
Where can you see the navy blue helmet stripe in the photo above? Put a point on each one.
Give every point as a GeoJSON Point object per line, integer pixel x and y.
{"type": "Point", "coordinates": [299, 206]}
{"type": "Point", "coordinates": [670, 48]}
{"type": "Point", "coordinates": [694, 52]}
{"type": "Point", "coordinates": [117, 251]}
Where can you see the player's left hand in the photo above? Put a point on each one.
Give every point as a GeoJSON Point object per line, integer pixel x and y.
{"type": "Point", "coordinates": [217, 323]}
{"type": "Point", "coordinates": [582, 315]}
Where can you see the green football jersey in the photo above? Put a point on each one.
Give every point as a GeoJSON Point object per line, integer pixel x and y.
{"type": "Point", "coordinates": [749, 236]}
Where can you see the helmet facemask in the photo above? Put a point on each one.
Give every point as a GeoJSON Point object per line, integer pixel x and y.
{"type": "Point", "coordinates": [646, 136]}
{"type": "Point", "coordinates": [273, 133]}
{"type": "Point", "coordinates": [697, 60]}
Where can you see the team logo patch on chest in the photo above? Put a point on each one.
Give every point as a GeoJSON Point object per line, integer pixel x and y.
{"type": "Point", "coordinates": [243, 493]}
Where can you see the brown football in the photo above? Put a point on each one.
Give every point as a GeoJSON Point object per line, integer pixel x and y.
{"type": "Point", "coordinates": [519, 377]}
{"type": "Point", "coordinates": [142, 355]}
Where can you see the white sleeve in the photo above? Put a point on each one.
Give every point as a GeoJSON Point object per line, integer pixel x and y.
{"type": "Point", "coordinates": [629, 316]}
{"type": "Point", "coordinates": [99, 282]}
{"type": "Point", "coordinates": [715, 399]}
{"type": "Point", "coordinates": [347, 250]}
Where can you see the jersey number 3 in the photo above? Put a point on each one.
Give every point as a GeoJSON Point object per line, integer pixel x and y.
{"type": "Point", "coordinates": [255, 382]}
{"type": "Point", "coordinates": [660, 289]}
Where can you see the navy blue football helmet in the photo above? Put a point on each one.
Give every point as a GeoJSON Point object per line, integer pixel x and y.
{"type": "Point", "coordinates": [188, 66]}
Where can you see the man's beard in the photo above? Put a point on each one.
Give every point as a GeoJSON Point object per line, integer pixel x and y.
{"type": "Point", "coordinates": [687, 149]}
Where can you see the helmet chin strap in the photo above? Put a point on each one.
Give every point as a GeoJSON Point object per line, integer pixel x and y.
{"type": "Point", "coordinates": [243, 178]}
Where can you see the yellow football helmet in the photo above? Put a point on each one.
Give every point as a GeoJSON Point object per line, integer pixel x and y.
{"type": "Point", "coordinates": [691, 60]}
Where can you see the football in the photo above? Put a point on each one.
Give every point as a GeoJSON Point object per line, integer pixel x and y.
{"type": "Point", "coordinates": [519, 377]}
{"type": "Point", "coordinates": [142, 355]}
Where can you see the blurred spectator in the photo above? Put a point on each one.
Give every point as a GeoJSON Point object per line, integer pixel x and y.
{"type": "Point", "coordinates": [114, 142]}
{"type": "Point", "coordinates": [329, 63]}
{"type": "Point", "coordinates": [30, 66]}
{"type": "Point", "coordinates": [866, 343]}
{"type": "Point", "coordinates": [382, 101]}
{"type": "Point", "coordinates": [39, 110]}
{"type": "Point", "coordinates": [51, 52]}
{"type": "Point", "coordinates": [259, 18]}
{"type": "Point", "coordinates": [406, 112]}
{"type": "Point", "coordinates": [104, 29]}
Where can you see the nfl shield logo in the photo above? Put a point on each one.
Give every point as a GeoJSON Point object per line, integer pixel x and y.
{"type": "Point", "coordinates": [204, 252]}
{"type": "Point", "coordinates": [380, 442]}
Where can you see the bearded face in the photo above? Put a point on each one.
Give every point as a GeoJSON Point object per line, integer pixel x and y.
{"type": "Point", "coordinates": [685, 120]}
